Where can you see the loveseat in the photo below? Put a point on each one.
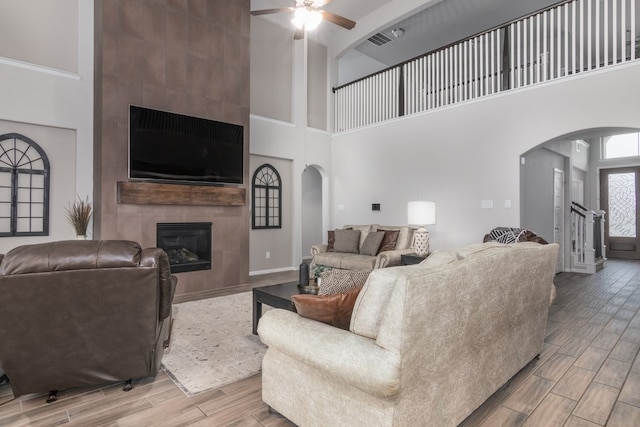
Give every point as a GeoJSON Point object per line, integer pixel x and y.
{"type": "Point", "coordinates": [395, 242]}
{"type": "Point", "coordinates": [77, 313]}
{"type": "Point", "coordinates": [426, 346]}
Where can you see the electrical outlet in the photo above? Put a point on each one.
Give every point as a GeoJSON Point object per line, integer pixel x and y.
{"type": "Point", "coordinates": [267, 255]}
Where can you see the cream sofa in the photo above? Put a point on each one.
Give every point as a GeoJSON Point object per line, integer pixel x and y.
{"type": "Point", "coordinates": [427, 345]}
{"type": "Point", "coordinates": [353, 261]}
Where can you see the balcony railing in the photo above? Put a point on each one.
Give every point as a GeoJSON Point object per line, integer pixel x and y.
{"type": "Point", "coordinates": [571, 37]}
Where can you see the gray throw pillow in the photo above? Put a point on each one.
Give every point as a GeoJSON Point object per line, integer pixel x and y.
{"type": "Point", "coordinates": [347, 241]}
{"type": "Point", "coordinates": [372, 243]}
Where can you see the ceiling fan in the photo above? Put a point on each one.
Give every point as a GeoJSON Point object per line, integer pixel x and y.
{"type": "Point", "coordinates": [307, 14]}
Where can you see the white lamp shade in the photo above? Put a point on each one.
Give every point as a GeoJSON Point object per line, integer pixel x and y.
{"type": "Point", "coordinates": [421, 213]}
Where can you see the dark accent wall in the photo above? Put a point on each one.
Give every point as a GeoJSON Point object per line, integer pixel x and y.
{"type": "Point", "coordinates": [185, 56]}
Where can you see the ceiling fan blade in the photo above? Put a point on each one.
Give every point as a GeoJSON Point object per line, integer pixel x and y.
{"type": "Point", "coordinates": [299, 34]}
{"type": "Point", "coordinates": [270, 11]}
{"type": "Point", "coordinates": [338, 20]}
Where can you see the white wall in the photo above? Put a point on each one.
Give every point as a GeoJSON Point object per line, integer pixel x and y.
{"type": "Point", "coordinates": [354, 65]}
{"type": "Point", "coordinates": [462, 155]}
{"type": "Point", "coordinates": [537, 191]}
{"type": "Point", "coordinates": [290, 138]}
{"type": "Point", "coordinates": [42, 32]}
{"type": "Point", "coordinates": [317, 85]}
{"type": "Point", "coordinates": [271, 70]}
{"type": "Point", "coordinates": [39, 97]}
{"type": "Point", "coordinates": [311, 210]}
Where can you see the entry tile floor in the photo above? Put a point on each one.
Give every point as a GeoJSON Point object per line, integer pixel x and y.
{"type": "Point", "coordinates": [589, 371]}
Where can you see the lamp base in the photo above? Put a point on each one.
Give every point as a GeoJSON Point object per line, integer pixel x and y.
{"type": "Point", "coordinates": [421, 241]}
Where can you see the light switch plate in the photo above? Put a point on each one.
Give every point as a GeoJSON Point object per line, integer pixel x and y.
{"type": "Point", "coordinates": [487, 204]}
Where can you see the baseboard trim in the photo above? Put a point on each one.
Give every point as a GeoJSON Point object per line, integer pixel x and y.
{"type": "Point", "coordinates": [211, 293]}
{"type": "Point", "coordinates": [275, 270]}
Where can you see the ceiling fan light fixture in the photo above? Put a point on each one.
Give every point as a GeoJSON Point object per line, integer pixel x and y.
{"type": "Point", "coordinates": [305, 17]}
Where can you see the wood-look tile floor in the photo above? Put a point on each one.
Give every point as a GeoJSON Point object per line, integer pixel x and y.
{"type": "Point", "coordinates": [588, 375]}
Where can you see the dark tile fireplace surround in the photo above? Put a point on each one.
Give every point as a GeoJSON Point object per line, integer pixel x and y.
{"type": "Point", "coordinates": [188, 245]}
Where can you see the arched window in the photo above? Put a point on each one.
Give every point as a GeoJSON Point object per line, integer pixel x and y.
{"type": "Point", "coordinates": [267, 198]}
{"type": "Point", "coordinates": [24, 187]}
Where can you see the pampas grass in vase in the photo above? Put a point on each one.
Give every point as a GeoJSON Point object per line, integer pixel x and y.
{"type": "Point", "coordinates": [78, 215]}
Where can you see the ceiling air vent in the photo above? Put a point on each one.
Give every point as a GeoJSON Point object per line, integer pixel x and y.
{"type": "Point", "coordinates": [379, 39]}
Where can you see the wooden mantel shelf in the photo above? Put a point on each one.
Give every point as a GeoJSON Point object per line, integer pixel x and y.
{"type": "Point", "coordinates": [152, 193]}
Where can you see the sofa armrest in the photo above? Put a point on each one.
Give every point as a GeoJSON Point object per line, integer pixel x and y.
{"type": "Point", "coordinates": [318, 249]}
{"type": "Point", "coordinates": [391, 258]}
{"type": "Point", "coordinates": [340, 354]}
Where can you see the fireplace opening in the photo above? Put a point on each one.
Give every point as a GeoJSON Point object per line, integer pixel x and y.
{"type": "Point", "coordinates": [187, 244]}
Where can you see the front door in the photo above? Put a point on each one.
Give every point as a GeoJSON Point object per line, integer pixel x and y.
{"type": "Point", "coordinates": [619, 199]}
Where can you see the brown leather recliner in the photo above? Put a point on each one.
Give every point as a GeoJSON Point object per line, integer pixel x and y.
{"type": "Point", "coordinates": [76, 313]}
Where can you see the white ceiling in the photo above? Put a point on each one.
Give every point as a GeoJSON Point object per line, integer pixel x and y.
{"type": "Point", "coordinates": [438, 23]}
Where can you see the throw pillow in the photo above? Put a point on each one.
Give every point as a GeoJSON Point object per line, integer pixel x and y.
{"type": "Point", "coordinates": [389, 240]}
{"type": "Point", "coordinates": [334, 310]}
{"type": "Point", "coordinates": [372, 243]}
{"type": "Point", "coordinates": [347, 241]}
{"type": "Point", "coordinates": [331, 238]}
{"type": "Point", "coordinates": [336, 281]}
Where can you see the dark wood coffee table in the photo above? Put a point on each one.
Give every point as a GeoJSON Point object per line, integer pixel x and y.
{"type": "Point", "coordinates": [276, 296]}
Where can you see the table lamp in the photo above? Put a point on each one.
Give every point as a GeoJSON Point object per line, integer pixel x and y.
{"type": "Point", "coordinates": [421, 213]}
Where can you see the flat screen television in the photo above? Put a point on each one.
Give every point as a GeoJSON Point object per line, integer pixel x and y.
{"type": "Point", "coordinates": [173, 147]}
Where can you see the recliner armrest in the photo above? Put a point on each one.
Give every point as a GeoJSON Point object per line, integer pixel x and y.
{"type": "Point", "coordinates": [156, 257]}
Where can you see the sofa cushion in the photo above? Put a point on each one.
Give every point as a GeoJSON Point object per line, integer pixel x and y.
{"type": "Point", "coordinates": [345, 261]}
{"type": "Point", "coordinates": [372, 243]}
{"type": "Point", "coordinates": [347, 241]}
{"type": "Point", "coordinates": [334, 309]}
{"type": "Point", "coordinates": [389, 240]}
{"type": "Point", "coordinates": [371, 303]}
{"type": "Point", "coordinates": [336, 281]}
{"type": "Point", "coordinates": [405, 235]}
{"type": "Point", "coordinates": [364, 230]}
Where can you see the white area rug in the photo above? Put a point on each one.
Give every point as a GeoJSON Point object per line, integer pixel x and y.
{"type": "Point", "coordinates": [212, 344]}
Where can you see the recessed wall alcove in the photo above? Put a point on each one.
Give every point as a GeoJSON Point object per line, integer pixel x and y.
{"type": "Point", "coordinates": [190, 58]}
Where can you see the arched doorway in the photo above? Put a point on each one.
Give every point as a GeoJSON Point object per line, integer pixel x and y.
{"type": "Point", "coordinates": [580, 160]}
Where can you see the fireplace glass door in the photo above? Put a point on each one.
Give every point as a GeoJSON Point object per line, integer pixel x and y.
{"type": "Point", "coordinates": [188, 245]}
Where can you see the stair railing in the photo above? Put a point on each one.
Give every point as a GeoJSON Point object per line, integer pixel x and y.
{"type": "Point", "coordinates": [587, 237]}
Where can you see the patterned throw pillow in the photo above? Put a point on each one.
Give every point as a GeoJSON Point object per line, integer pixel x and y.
{"type": "Point", "coordinates": [335, 281]}
{"type": "Point", "coordinates": [334, 310]}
